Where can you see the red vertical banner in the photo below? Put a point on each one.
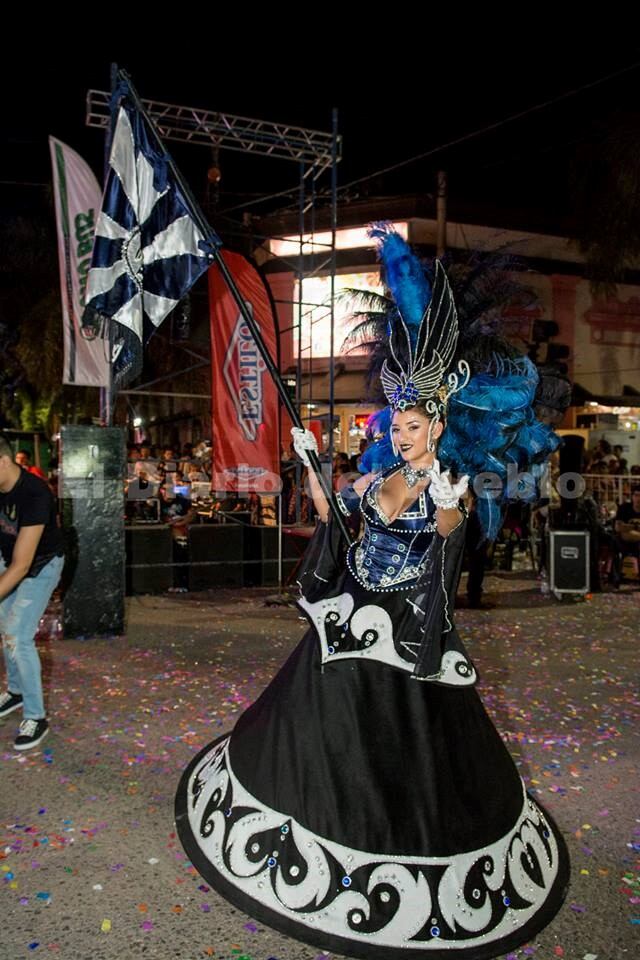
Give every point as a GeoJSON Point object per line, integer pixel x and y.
{"type": "Point", "coordinates": [245, 401]}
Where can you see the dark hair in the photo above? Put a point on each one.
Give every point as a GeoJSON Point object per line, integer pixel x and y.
{"type": "Point", "coordinates": [635, 489]}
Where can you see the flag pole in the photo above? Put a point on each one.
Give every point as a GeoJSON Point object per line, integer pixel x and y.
{"type": "Point", "coordinates": [216, 256]}
{"type": "Point", "coordinates": [282, 390]}
{"type": "Point", "coordinates": [107, 392]}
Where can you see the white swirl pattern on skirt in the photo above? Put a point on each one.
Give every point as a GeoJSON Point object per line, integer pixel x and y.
{"type": "Point", "coordinates": [459, 901]}
{"type": "Point", "coordinates": [372, 627]}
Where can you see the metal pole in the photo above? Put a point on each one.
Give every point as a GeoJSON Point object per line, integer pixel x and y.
{"type": "Point", "coordinates": [164, 393]}
{"type": "Point", "coordinates": [106, 392]}
{"type": "Point", "coordinates": [280, 577]}
{"type": "Point", "coordinates": [334, 225]}
{"type": "Point", "coordinates": [300, 274]}
{"type": "Point", "coordinates": [311, 310]}
{"type": "Point", "coordinates": [282, 390]}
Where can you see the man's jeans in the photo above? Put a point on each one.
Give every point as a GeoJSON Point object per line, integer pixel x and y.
{"type": "Point", "coordinates": [20, 614]}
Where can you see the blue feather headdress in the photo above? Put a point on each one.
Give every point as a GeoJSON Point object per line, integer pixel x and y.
{"type": "Point", "coordinates": [423, 339]}
{"type": "Point", "coordinates": [491, 428]}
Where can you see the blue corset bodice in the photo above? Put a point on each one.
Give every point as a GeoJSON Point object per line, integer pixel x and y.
{"type": "Point", "coordinates": [390, 555]}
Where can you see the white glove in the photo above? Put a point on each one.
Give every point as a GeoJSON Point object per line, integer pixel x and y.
{"type": "Point", "coordinates": [303, 440]}
{"type": "Point", "coordinates": [444, 493]}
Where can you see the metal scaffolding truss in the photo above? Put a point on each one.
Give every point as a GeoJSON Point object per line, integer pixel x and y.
{"type": "Point", "coordinates": [315, 152]}
{"type": "Point", "coordinates": [223, 130]}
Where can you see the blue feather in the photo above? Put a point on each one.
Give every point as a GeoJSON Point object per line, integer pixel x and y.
{"type": "Point", "coordinates": [403, 275]}
{"type": "Point", "coordinates": [491, 427]}
{"type": "Point", "coordinates": [378, 455]}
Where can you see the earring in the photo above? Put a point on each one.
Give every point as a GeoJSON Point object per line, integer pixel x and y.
{"type": "Point", "coordinates": [431, 444]}
{"type": "Point", "coordinates": [394, 448]}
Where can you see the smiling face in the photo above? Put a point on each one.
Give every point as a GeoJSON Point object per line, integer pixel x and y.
{"type": "Point", "coordinates": [410, 434]}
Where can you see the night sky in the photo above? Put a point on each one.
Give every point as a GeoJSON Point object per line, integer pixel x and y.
{"type": "Point", "coordinates": [394, 102]}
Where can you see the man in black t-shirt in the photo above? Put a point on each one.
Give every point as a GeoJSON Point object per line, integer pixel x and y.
{"type": "Point", "coordinates": [31, 559]}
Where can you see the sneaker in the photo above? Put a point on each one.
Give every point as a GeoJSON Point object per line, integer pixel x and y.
{"type": "Point", "coordinates": [32, 732]}
{"type": "Point", "coordinates": [9, 702]}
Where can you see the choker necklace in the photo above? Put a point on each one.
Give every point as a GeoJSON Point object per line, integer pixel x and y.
{"type": "Point", "coordinates": [412, 476]}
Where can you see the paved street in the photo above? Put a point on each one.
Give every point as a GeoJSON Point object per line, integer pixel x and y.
{"type": "Point", "coordinates": [89, 861]}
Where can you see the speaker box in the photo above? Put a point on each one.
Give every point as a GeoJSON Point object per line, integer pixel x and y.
{"type": "Point", "coordinates": [91, 491]}
{"type": "Point", "coordinates": [149, 559]}
{"type": "Point", "coordinates": [571, 453]}
{"type": "Point", "coordinates": [569, 561]}
{"type": "Point", "coordinates": [261, 556]}
{"type": "Point", "coordinates": [216, 553]}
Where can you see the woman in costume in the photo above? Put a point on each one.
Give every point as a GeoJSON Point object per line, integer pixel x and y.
{"type": "Point", "coordinates": [365, 803]}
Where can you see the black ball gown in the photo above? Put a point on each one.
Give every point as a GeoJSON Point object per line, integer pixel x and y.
{"type": "Point", "coordinates": [365, 803]}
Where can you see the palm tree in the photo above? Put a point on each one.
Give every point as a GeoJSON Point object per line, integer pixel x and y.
{"type": "Point", "coordinates": [31, 345]}
{"type": "Point", "coordinates": [482, 287]}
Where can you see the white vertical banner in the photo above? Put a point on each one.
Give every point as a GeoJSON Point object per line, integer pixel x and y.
{"type": "Point", "coordinates": [78, 200]}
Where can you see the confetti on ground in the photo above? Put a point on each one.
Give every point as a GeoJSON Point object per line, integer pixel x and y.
{"type": "Point", "coordinates": [558, 680]}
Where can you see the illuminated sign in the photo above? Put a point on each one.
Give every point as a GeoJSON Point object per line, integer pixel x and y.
{"type": "Point", "coordinates": [351, 238]}
{"type": "Point", "coordinates": [315, 325]}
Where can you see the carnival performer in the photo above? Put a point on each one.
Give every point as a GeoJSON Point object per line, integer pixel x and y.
{"type": "Point", "coordinates": [365, 803]}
